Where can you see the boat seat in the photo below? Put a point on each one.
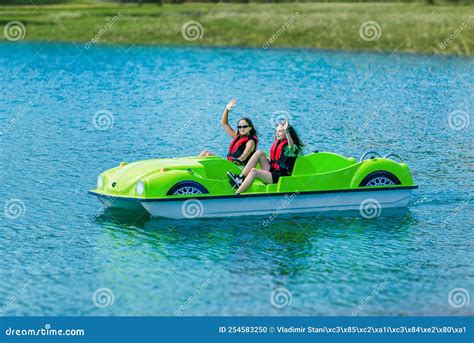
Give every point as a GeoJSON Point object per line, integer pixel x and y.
{"type": "Point", "coordinates": [321, 162]}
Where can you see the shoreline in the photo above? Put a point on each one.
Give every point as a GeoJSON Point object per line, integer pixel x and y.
{"type": "Point", "coordinates": [339, 27]}
{"type": "Point", "coordinates": [243, 47]}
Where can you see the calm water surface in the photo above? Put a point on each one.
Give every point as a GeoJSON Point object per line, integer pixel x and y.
{"type": "Point", "coordinates": [167, 102]}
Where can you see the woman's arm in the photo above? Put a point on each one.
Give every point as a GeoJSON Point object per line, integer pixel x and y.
{"type": "Point", "coordinates": [291, 145]}
{"type": "Point", "coordinates": [249, 147]}
{"type": "Point", "coordinates": [225, 119]}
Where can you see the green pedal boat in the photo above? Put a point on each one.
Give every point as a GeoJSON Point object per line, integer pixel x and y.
{"type": "Point", "coordinates": [194, 187]}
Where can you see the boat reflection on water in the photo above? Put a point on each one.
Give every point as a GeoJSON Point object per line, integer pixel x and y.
{"type": "Point", "coordinates": [236, 257]}
{"type": "Point", "coordinates": [285, 234]}
{"type": "Point", "coordinates": [142, 219]}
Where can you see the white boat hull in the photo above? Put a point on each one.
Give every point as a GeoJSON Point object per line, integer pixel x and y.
{"type": "Point", "coordinates": [118, 202]}
{"type": "Point", "coordinates": [370, 203]}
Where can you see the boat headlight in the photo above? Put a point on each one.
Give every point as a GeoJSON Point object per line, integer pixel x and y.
{"type": "Point", "coordinates": [100, 182]}
{"type": "Point", "coordinates": [140, 187]}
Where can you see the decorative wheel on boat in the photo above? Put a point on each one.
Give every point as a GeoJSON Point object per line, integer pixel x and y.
{"type": "Point", "coordinates": [380, 178]}
{"type": "Point", "coordinates": [187, 188]}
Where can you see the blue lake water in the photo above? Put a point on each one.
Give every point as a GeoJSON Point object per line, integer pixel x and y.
{"type": "Point", "coordinates": [57, 249]}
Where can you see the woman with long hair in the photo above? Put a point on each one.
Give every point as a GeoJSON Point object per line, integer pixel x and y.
{"type": "Point", "coordinates": [286, 147]}
{"type": "Point", "coordinates": [244, 140]}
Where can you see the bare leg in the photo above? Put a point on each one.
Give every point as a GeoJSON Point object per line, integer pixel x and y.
{"type": "Point", "coordinates": [206, 153]}
{"type": "Point", "coordinates": [257, 158]}
{"type": "Point", "coordinates": [262, 175]}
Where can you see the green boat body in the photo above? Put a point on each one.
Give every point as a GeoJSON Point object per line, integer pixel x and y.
{"type": "Point", "coordinates": [322, 171]}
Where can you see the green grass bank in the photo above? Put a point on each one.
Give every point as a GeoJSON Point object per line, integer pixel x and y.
{"type": "Point", "coordinates": [406, 27]}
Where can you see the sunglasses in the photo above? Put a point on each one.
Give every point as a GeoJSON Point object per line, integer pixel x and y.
{"type": "Point", "coordinates": [243, 127]}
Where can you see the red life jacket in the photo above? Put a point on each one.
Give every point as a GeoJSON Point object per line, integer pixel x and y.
{"type": "Point", "coordinates": [277, 159]}
{"type": "Point", "coordinates": [237, 147]}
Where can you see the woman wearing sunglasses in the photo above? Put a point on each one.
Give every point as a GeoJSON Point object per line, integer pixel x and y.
{"type": "Point", "coordinates": [244, 141]}
{"type": "Point", "coordinates": [286, 147]}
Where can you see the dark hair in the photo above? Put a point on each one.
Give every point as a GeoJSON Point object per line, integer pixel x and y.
{"type": "Point", "coordinates": [253, 131]}
{"type": "Point", "coordinates": [294, 136]}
